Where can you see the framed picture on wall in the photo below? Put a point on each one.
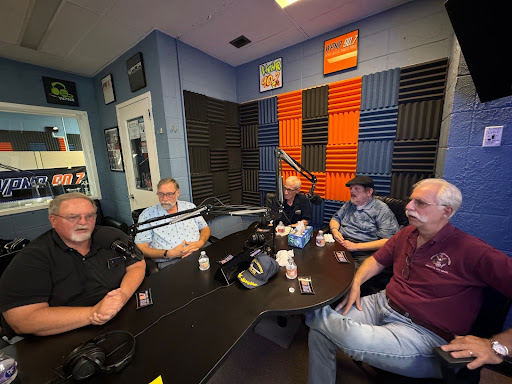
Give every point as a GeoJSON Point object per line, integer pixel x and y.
{"type": "Point", "coordinates": [107, 84]}
{"type": "Point", "coordinates": [115, 156]}
{"type": "Point", "coordinates": [136, 75]}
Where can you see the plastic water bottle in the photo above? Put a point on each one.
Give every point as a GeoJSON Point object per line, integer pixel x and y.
{"type": "Point", "coordinates": [280, 227]}
{"type": "Point", "coordinates": [8, 368]}
{"type": "Point", "coordinates": [320, 240]}
{"type": "Point", "coordinates": [291, 269]}
{"type": "Point", "coordinates": [204, 261]}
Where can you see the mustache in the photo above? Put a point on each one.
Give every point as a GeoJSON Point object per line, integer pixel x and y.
{"type": "Point", "coordinates": [415, 215]}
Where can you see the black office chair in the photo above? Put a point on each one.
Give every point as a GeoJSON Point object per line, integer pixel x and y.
{"type": "Point", "coordinates": [108, 220]}
{"type": "Point", "coordinates": [397, 206]}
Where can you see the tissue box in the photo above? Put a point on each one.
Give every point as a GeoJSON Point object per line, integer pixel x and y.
{"type": "Point", "coordinates": [300, 241]}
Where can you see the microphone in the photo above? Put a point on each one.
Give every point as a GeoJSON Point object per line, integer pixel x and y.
{"type": "Point", "coordinates": [122, 249]}
{"type": "Point", "coordinates": [314, 198]}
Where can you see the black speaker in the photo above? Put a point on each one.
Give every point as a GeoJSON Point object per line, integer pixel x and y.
{"type": "Point", "coordinates": [483, 30]}
{"type": "Point", "coordinates": [89, 358]}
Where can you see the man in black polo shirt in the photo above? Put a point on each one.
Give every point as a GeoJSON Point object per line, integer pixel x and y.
{"type": "Point", "coordinates": [68, 277]}
{"type": "Point", "coordinates": [296, 206]}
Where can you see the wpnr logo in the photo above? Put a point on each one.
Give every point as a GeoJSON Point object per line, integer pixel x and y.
{"type": "Point", "coordinates": [60, 91]}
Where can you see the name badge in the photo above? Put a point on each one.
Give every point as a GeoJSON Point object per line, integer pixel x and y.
{"type": "Point", "coordinates": [298, 212]}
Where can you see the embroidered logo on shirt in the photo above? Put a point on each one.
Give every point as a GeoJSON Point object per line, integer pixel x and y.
{"type": "Point", "coordinates": [440, 261]}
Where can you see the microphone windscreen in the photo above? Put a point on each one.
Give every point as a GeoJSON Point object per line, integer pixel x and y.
{"type": "Point", "coordinates": [316, 199]}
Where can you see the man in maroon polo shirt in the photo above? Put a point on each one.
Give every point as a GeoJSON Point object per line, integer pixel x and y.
{"type": "Point", "coordinates": [439, 275]}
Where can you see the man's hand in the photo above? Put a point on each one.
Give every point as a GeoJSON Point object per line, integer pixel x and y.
{"type": "Point", "coordinates": [350, 246]}
{"type": "Point", "coordinates": [472, 346]}
{"type": "Point", "coordinates": [353, 296]}
{"type": "Point", "coordinates": [337, 236]}
{"type": "Point", "coordinates": [181, 250]}
{"type": "Point", "coordinates": [108, 307]}
{"type": "Point", "coordinates": [192, 246]}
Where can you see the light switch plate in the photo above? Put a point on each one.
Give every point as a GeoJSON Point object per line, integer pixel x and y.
{"type": "Point", "coordinates": [492, 136]}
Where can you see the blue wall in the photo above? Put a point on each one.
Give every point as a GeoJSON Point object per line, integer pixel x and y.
{"type": "Point", "coordinates": [22, 84]}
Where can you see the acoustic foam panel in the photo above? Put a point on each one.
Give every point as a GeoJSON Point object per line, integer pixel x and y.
{"type": "Point", "coordinates": [422, 82]}
{"type": "Point", "coordinates": [233, 136]}
{"type": "Point", "coordinates": [313, 157]}
{"type": "Point", "coordinates": [250, 180]}
{"type": "Point", "coordinates": [235, 196]}
{"type": "Point", "coordinates": [198, 133]}
{"type": "Point", "coordinates": [315, 131]}
{"type": "Point", "coordinates": [231, 113]}
{"type": "Point", "coordinates": [267, 111]}
{"type": "Point", "coordinates": [315, 102]}
{"type": "Point", "coordinates": [374, 156]}
{"type": "Point", "coordinates": [268, 135]}
{"type": "Point", "coordinates": [220, 183]}
{"type": "Point", "coordinates": [251, 159]}
{"type": "Point", "coordinates": [320, 184]}
{"type": "Point", "coordinates": [219, 160]}
{"type": "Point", "coordinates": [295, 153]}
{"type": "Point", "coordinates": [248, 113]}
{"type": "Point", "coordinates": [199, 158]}
{"type": "Point", "coordinates": [234, 158]}
{"type": "Point", "coordinates": [195, 106]}
{"type": "Point", "coordinates": [22, 140]}
{"type": "Point", "coordinates": [202, 186]}
{"type": "Point", "coordinates": [317, 215]}
{"type": "Point", "coordinates": [215, 110]}
{"type": "Point", "coordinates": [330, 208]}
{"type": "Point", "coordinates": [402, 183]}
{"type": "Point", "coordinates": [382, 182]}
{"type": "Point", "coordinates": [343, 128]}
{"type": "Point", "coordinates": [235, 179]}
{"type": "Point", "coordinates": [341, 158]}
{"type": "Point", "coordinates": [290, 132]}
{"type": "Point", "coordinates": [380, 90]}
{"type": "Point", "coordinates": [345, 96]}
{"type": "Point", "coordinates": [251, 198]}
{"type": "Point", "coordinates": [419, 120]}
{"type": "Point", "coordinates": [289, 105]}
{"type": "Point", "coordinates": [217, 136]}
{"type": "Point", "coordinates": [378, 124]}
{"type": "Point", "coordinates": [335, 185]}
{"type": "Point", "coordinates": [268, 158]}
{"type": "Point", "coordinates": [249, 135]}
{"type": "Point", "coordinates": [74, 141]}
{"type": "Point", "coordinates": [6, 146]}
{"type": "Point", "coordinates": [414, 156]}
{"type": "Point", "coordinates": [267, 180]}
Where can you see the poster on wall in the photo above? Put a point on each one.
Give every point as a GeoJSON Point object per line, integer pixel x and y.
{"type": "Point", "coordinates": [60, 91]}
{"type": "Point", "coordinates": [107, 84]}
{"type": "Point", "coordinates": [271, 75]}
{"type": "Point", "coordinates": [341, 52]}
{"type": "Point", "coordinates": [136, 75]}
{"type": "Point", "coordinates": [115, 155]}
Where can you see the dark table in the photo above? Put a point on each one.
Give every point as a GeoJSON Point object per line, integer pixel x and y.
{"type": "Point", "coordinates": [207, 319]}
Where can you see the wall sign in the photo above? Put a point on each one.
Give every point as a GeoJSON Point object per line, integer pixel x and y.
{"type": "Point", "coordinates": [271, 75]}
{"type": "Point", "coordinates": [341, 52]}
{"type": "Point", "coordinates": [107, 84]}
{"type": "Point", "coordinates": [60, 91]}
{"type": "Point", "coordinates": [115, 155]}
{"type": "Point", "coordinates": [136, 75]}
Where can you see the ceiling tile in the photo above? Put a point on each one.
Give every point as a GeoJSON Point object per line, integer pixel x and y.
{"type": "Point", "coordinates": [12, 19]}
{"type": "Point", "coordinates": [67, 28]}
{"type": "Point", "coordinates": [97, 6]}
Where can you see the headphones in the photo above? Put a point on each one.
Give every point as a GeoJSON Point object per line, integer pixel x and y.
{"type": "Point", "coordinates": [87, 359]}
{"type": "Point", "coordinates": [256, 239]}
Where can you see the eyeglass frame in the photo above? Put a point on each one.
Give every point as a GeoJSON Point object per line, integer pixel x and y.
{"type": "Point", "coordinates": [290, 189]}
{"type": "Point", "coordinates": [161, 195]}
{"type": "Point", "coordinates": [75, 219]}
{"type": "Point", "coordinates": [418, 203]}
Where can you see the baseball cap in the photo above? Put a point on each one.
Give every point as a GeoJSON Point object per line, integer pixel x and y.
{"type": "Point", "coordinates": [262, 268]}
{"type": "Point", "coordinates": [365, 181]}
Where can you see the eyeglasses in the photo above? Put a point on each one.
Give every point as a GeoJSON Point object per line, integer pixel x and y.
{"type": "Point", "coordinates": [408, 267]}
{"type": "Point", "coordinates": [422, 204]}
{"type": "Point", "coordinates": [161, 195]}
{"type": "Point", "coordinates": [290, 190]}
{"type": "Point", "coordinates": [74, 219]}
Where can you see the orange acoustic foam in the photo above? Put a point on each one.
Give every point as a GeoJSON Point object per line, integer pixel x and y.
{"type": "Point", "coordinates": [289, 105]}
{"type": "Point", "coordinates": [62, 144]}
{"type": "Point", "coordinates": [305, 185]}
{"type": "Point", "coordinates": [343, 128]}
{"type": "Point", "coordinates": [335, 185]}
{"type": "Point", "coordinates": [290, 132]}
{"type": "Point", "coordinates": [345, 96]}
{"type": "Point", "coordinates": [341, 158]}
{"type": "Point", "coordinates": [6, 146]}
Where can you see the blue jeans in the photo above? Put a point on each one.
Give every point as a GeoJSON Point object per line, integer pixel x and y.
{"type": "Point", "coordinates": [376, 335]}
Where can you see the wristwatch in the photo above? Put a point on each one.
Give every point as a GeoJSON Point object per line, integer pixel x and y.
{"type": "Point", "coordinates": [165, 254]}
{"type": "Point", "coordinates": [499, 349]}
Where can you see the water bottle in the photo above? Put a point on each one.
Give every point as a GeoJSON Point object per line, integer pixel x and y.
{"type": "Point", "coordinates": [8, 368]}
{"type": "Point", "coordinates": [280, 227]}
{"type": "Point", "coordinates": [204, 261]}
{"type": "Point", "coordinates": [320, 240]}
{"type": "Point", "coordinates": [291, 269]}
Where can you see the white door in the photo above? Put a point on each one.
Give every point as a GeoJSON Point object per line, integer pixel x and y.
{"type": "Point", "coordinates": [138, 143]}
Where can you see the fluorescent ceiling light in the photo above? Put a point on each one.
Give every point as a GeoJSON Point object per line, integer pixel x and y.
{"type": "Point", "coordinates": [41, 17]}
{"type": "Point", "coordinates": [285, 3]}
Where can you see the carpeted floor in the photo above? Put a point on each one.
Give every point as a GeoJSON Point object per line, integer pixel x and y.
{"type": "Point", "coordinates": [257, 360]}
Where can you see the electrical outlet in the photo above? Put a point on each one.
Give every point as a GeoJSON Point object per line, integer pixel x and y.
{"type": "Point", "coordinates": [492, 136]}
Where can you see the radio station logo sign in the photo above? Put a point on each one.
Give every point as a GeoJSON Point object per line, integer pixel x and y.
{"type": "Point", "coordinates": [60, 91]}
{"type": "Point", "coordinates": [271, 75]}
{"type": "Point", "coordinates": [341, 52]}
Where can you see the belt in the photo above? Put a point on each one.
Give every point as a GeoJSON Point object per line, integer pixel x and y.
{"type": "Point", "coordinates": [438, 331]}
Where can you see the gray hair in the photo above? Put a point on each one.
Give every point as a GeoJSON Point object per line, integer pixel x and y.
{"type": "Point", "coordinates": [54, 206]}
{"type": "Point", "coordinates": [168, 180]}
{"type": "Point", "coordinates": [294, 180]}
{"type": "Point", "coordinates": [447, 195]}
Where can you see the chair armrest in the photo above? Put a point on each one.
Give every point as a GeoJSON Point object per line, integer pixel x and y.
{"type": "Point", "coordinates": [112, 222]}
{"type": "Point", "coordinates": [213, 239]}
{"type": "Point", "coordinates": [454, 370]}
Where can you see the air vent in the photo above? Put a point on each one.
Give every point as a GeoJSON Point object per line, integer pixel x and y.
{"type": "Point", "coordinates": [240, 41]}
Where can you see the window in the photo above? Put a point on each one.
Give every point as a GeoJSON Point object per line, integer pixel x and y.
{"type": "Point", "coordinates": [44, 152]}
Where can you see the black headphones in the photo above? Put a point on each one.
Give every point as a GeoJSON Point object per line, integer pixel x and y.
{"type": "Point", "coordinates": [256, 239]}
{"type": "Point", "coordinates": [87, 359]}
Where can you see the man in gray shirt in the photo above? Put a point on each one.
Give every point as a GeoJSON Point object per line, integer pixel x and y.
{"type": "Point", "coordinates": [363, 224]}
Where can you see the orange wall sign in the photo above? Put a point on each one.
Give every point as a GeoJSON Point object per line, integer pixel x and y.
{"type": "Point", "coordinates": [341, 52]}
